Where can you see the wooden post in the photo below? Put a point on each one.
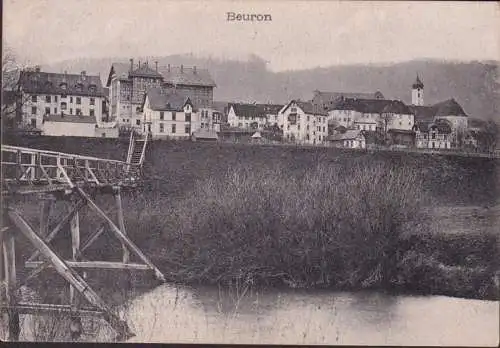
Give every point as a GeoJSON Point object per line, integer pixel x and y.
{"type": "Point", "coordinates": [75, 324]}
{"type": "Point", "coordinates": [11, 284]}
{"type": "Point", "coordinates": [45, 208]}
{"type": "Point", "coordinates": [71, 276]}
{"type": "Point", "coordinates": [121, 222]}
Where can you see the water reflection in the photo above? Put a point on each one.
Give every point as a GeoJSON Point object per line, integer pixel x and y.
{"type": "Point", "coordinates": [208, 315]}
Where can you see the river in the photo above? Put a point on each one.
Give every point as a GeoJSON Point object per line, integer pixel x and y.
{"type": "Point", "coordinates": [207, 315]}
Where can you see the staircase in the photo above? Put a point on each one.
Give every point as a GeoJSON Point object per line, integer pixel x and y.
{"type": "Point", "coordinates": [136, 150]}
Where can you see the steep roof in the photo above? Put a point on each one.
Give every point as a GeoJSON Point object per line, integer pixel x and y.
{"type": "Point", "coordinates": [449, 107]}
{"type": "Point", "coordinates": [121, 70]}
{"type": "Point", "coordinates": [372, 106]}
{"type": "Point", "coordinates": [247, 110]}
{"type": "Point", "coordinates": [334, 96]}
{"type": "Point", "coordinates": [145, 71]}
{"type": "Point", "coordinates": [271, 108]}
{"type": "Point", "coordinates": [423, 113]}
{"type": "Point", "coordinates": [307, 107]}
{"type": "Point", "coordinates": [190, 76]}
{"type": "Point", "coordinates": [70, 118]}
{"type": "Point", "coordinates": [418, 83]}
{"type": "Point", "coordinates": [443, 126]}
{"type": "Point", "coordinates": [160, 101]}
{"type": "Point", "coordinates": [38, 82]}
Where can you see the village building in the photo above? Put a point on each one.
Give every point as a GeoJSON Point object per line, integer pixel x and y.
{"type": "Point", "coordinates": [449, 110]}
{"type": "Point", "coordinates": [301, 124]}
{"type": "Point", "coordinates": [433, 135]}
{"type": "Point", "coordinates": [371, 114]}
{"type": "Point", "coordinates": [246, 116]}
{"type": "Point", "coordinates": [209, 119]}
{"type": "Point", "coordinates": [77, 126]}
{"type": "Point", "coordinates": [192, 82]}
{"type": "Point", "coordinates": [129, 83]}
{"type": "Point", "coordinates": [272, 112]}
{"type": "Point", "coordinates": [167, 116]}
{"type": "Point", "coordinates": [351, 139]}
{"type": "Point", "coordinates": [44, 94]}
{"type": "Point", "coordinates": [323, 101]}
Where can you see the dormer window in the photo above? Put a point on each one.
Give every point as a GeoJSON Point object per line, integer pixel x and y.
{"type": "Point", "coordinates": [92, 88]}
{"type": "Point", "coordinates": [63, 86]}
{"type": "Point", "coordinates": [79, 87]}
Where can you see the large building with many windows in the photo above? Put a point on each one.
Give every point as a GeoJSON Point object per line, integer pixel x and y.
{"type": "Point", "coordinates": [129, 83]}
{"type": "Point", "coordinates": [43, 94]}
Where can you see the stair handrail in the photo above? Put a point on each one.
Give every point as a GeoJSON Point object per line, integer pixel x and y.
{"type": "Point", "coordinates": [130, 146]}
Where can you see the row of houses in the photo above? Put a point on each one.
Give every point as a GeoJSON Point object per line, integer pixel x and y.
{"type": "Point", "coordinates": [177, 102]}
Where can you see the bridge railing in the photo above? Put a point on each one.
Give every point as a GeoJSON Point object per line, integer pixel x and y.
{"type": "Point", "coordinates": [32, 166]}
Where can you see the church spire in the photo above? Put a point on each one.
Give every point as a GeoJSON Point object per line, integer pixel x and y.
{"type": "Point", "coordinates": [418, 83]}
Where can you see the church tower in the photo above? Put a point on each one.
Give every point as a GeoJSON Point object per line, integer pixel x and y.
{"type": "Point", "coordinates": [417, 92]}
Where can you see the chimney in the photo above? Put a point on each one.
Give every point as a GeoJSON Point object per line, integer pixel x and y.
{"type": "Point", "coordinates": [194, 69]}
{"type": "Point", "coordinates": [131, 64]}
{"type": "Point", "coordinates": [139, 64]}
{"type": "Point", "coordinates": [182, 68]}
{"type": "Point", "coordinates": [169, 68]}
{"type": "Point", "coordinates": [156, 65]}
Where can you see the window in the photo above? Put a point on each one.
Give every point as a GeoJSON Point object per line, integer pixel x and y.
{"type": "Point", "coordinates": [188, 117]}
{"type": "Point", "coordinates": [71, 111]}
{"type": "Point", "coordinates": [173, 128]}
{"type": "Point", "coordinates": [162, 115]}
{"type": "Point", "coordinates": [47, 111]}
{"type": "Point", "coordinates": [47, 99]}
{"type": "Point", "coordinates": [138, 122]}
{"type": "Point", "coordinates": [64, 106]}
{"type": "Point", "coordinates": [55, 98]}
{"type": "Point", "coordinates": [307, 118]}
{"type": "Point", "coordinates": [324, 129]}
{"type": "Point", "coordinates": [187, 129]}
{"type": "Point", "coordinates": [33, 98]}
{"type": "Point", "coordinates": [92, 101]}
{"type": "Point", "coordinates": [78, 100]}
{"type": "Point", "coordinates": [240, 124]}
{"type": "Point", "coordinates": [173, 117]}
{"type": "Point", "coordinates": [78, 112]}
{"type": "Point", "coordinates": [103, 135]}
{"type": "Point", "coordinates": [55, 110]}
{"type": "Point", "coordinates": [33, 110]}
{"type": "Point", "coordinates": [307, 127]}
{"type": "Point", "coordinates": [425, 136]}
{"type": "Point", "coordinates": [433, 135]}
{"type": "Point", "coordinates": [33, 122]}
{"type": "Point", "coordinates": [433, 145]}
{"type": "Point", "coordinates": [92, 113]}
{"type": "Point", "coordinates": [162, 128]}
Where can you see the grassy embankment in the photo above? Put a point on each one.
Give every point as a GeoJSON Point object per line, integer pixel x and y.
{"type": "Point", "coordinates": [215, 213]}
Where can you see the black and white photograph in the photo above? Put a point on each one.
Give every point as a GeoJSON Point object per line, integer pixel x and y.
{"type": "Point", "coordinates": [250, 172]}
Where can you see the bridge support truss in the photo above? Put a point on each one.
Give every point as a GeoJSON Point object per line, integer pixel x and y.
{"type": "Point", "coordinates": [45, 255]}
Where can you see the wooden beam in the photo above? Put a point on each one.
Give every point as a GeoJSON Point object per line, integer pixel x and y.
{"type": "Point", "coordinates": [45, 208]}
{"type": "Point", "coordinates": [95, 264]}
{"type": "Point", "coordinates": [9, 253]}
{"type": "Point", "coordinates": [75, 322]}
{"type": "Point", "coordinates": [63, 223]}
{"type": "Point", "coordinates": [92, 239]}
{"type": "Point", "coordinates": [121, 223]}
{"type": "Point", "coordinates": [67, 273]}
{"type": "Point", "coordinates": [123, 238]}
{"type": "Point", "coordinates": [36, 308]}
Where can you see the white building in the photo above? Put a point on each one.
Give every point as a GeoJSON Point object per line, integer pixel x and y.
{"type": "Point", "coordinates": [351, 139]}
{"type": "Point", "coordinates": [47, 94]}
{"type": "Point", "coordinates": [302, 125]}
{"type": "Point", "coordinates": [433, 135]}
{"type": "Point", "coordinates": [247, 116]}
{"type": "Point", "coordinates": [168, 116]}
{"type": "Point", "coordinates": [208, 119]}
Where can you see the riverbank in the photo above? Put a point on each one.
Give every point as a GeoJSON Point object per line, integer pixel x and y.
{"type": "Point", "coordinates": [303, 217]}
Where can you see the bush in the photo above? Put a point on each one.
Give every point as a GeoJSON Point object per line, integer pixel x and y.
{"type": "Point", "coordinates": [331, 225]}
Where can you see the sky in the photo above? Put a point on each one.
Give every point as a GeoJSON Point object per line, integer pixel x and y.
{"type": "Point", "coordinates": [302, 34]}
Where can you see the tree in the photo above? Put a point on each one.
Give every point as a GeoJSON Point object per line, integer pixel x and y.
{"type": "Point", "coordinates": [489, 136]}
{"type": "Point", "coordinates": [12, 97]}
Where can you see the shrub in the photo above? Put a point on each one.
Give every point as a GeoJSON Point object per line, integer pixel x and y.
{"type": "Point", "coordinates": [330, 225]}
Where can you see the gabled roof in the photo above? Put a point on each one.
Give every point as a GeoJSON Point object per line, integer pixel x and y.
{"type": "Point", "coordinates": [372, 106]}
{"type": "Point", "coordinates": [161, 101]}
{"type": "Point", "coordinates": [247, 110]}
{"type": "Point", "coordinates": [423, 113]}
{"type": "Point", "coordinates": [334, 96]}
{"type": "Point", "coordinates": [121, 70]}
{"type": "Point", "coordinates": [271, 108]}
{"type": "Point", "coordinates": [306, 106]}
{"type": "Point", "coordinates": [449, 107]}
{"type": "Point", "coordinates": [190, 76]}
{"type": "Point", "coordinates": [145, 71]}
{"type": "Point", "coordinates": [70, 118]}
{"type": "Point", "coordinates": [38, 82]}
{"type": "Point", "coordinates": [442, 126]}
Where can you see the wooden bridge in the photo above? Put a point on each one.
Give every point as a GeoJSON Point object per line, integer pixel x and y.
{"type": "Point", "coordinates": [48, 176]}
